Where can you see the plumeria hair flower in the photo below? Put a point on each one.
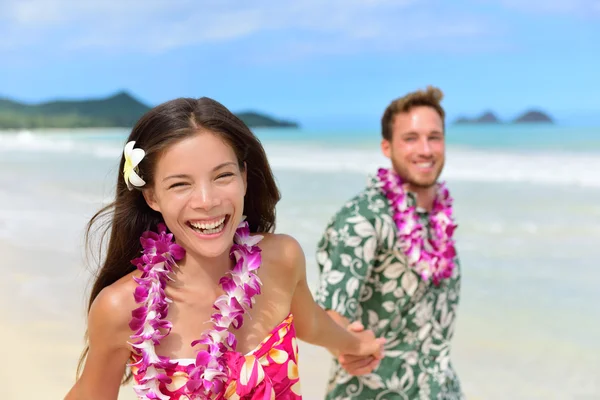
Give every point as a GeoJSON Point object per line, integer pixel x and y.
{"type": "Point", "coordinates": [132, 159]}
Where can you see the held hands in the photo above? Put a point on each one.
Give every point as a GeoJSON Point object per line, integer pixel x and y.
{"type": "Point", "coordinates": [366, 357]}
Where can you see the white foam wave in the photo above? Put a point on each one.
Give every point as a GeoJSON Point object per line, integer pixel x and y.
{"type": "Point", "coordinates": [471, 165]}
{"type": "Point", "coordinates": [28, 142]}
{"type": "Point", "coordinates": [553, 168]}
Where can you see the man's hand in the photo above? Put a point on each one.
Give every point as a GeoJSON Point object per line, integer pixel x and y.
{"type": "Point", "coordinates": [359, 365]}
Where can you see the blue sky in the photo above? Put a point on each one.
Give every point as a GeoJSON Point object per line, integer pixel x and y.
{"type": "Point", "coordinates": [319, 62]}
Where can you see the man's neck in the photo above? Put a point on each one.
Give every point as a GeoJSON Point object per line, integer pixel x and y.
{"type": "Point", "coordinates": [425, 196]}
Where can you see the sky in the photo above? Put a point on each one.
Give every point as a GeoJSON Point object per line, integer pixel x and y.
{"type": "Point", "coordinates": [318, 62]}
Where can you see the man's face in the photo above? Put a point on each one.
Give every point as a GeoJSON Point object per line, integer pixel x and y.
{"type": "Point", "coordinates": [417, 147]}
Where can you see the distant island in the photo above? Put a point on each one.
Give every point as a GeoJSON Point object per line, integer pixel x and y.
{"type": "Point", "coordinates": [119, 110]}
{"type": "Point", "coordinates": [488, 117]}
{"type": "Point", "coordinates": [533, 116]}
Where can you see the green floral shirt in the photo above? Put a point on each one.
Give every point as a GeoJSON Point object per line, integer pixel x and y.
{"type": "Point", "coordinates": [364, 276]}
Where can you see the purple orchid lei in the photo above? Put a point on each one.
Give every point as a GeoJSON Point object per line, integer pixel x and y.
{"type": "Point", "coordinates": [432, 258]}
{"type": "Point", "coordinates": [208, 375]}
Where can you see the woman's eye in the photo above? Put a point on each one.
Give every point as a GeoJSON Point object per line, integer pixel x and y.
{"type": "Point", "coordinates": [225, 175]}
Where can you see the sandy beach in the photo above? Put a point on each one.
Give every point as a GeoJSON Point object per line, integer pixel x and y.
{"type": "Point", "coordinates": [43, 340]}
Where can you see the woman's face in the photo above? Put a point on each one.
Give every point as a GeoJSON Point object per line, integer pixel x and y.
{"type": "Point", "coordinates": [199, 189]}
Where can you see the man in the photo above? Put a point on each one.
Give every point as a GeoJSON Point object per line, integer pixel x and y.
{"type": "Point", "coordinates": [388, 264]}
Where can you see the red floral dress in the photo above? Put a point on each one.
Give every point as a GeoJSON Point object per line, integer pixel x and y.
{"type": "Point", "coordinates": [270, 371]}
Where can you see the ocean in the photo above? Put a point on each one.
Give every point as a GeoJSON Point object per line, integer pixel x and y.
{"type": "Point", "coordinates": [527, 202]}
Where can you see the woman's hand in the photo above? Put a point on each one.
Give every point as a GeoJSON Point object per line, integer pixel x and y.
{"type": "Point", "coordinates": [368, 354]}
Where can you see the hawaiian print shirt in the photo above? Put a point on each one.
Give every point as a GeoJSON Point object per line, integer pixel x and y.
{"type": "Point", "coordinates": [365, 277]}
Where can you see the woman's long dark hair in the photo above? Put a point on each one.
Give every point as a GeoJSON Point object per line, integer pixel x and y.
{"type": "Point", "coordinates": [128, 216]}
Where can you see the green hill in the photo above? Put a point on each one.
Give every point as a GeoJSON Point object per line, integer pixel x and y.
{"type": "Point", "coordinates": [119, 110]}
{"type": "Point", "coordinates": [254, 119]}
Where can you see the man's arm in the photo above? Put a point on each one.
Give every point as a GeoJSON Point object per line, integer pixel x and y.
{"type": "Point", "coordinates": [345, 257]}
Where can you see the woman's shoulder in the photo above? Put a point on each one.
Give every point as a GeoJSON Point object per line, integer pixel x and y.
{"type": "Point", "coordinates": [282, 250]}
{"type": "Point", "coordinates": [112, 307]}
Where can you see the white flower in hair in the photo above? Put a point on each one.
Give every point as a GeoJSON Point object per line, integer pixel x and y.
{"type": "Point", "coordinates": [132, 159]}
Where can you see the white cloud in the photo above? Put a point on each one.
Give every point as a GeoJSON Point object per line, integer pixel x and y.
{"type": "Point", "coordinates": [151, 26]}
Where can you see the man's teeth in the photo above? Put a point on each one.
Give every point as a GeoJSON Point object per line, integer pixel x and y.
{"type": "Point", "coordinates": [209, 228]}
{"type": "Point", "coordinates": [425, 165]}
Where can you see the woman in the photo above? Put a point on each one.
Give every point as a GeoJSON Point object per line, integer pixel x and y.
{"type": "Point", "coordinates": [193, 166]}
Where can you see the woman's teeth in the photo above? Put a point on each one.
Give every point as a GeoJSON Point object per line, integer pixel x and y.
{"type": "Point", "coordinates": [209, 228]}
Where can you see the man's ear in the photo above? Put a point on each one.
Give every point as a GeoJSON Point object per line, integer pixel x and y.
{"type": "Point", "coordinates": [386, 148]}
{"type": "Point", "coordinates": [150, 198]}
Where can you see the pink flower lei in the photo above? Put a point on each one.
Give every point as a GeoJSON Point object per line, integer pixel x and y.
{"type": "Point", "coordinates": [207, 376]}
{"type": "Point", "coordinates": [432, 258]}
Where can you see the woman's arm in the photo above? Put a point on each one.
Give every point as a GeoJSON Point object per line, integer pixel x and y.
{"type": "Point", "coordinates": [108, 332]}
{"type": "Point", "coordinates": [313, 324]}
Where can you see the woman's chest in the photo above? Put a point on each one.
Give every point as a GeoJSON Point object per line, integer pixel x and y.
{"type": "Point", "coordinates": [195, 318]}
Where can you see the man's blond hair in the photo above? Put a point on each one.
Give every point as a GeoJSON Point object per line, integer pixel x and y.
{"type": "Point", "coordinates": [430, 97]}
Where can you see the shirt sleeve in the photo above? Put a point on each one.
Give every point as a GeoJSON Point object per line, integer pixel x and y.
{"type": "Point", "coordinates": [345, 256]}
